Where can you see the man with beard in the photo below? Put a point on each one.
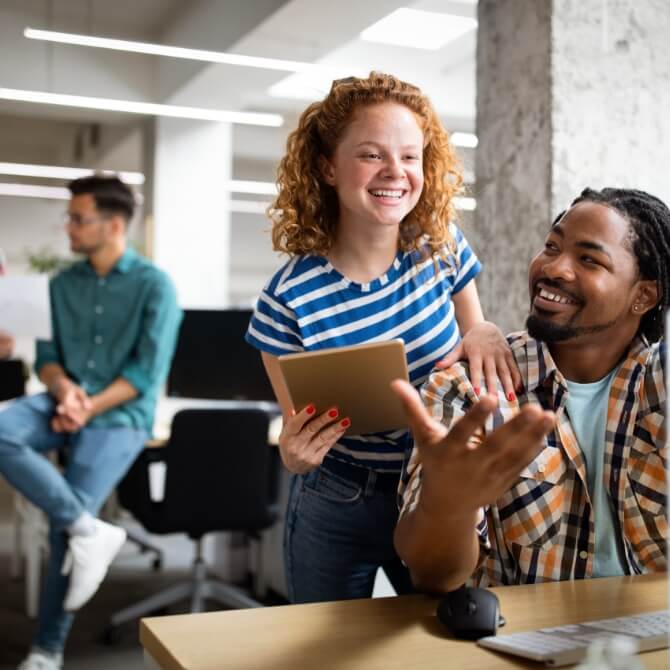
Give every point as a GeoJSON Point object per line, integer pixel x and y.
{"type": "Point", "coordinates": [115, 322]}
{"type": "Point", "coordinates": [567, 481]}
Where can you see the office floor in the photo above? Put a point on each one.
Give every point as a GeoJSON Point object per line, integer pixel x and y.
{"type": "Point", "coordinates": [130, 579]}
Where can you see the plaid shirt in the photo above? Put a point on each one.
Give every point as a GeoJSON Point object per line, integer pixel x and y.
{"type": "Point", "coordinates": [542, 529]}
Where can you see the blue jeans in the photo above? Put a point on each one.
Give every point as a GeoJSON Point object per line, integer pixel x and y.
{"type": "Point", "coordinates": [338, 533]}
{"type": "Point", "coordinates": [97, 458]}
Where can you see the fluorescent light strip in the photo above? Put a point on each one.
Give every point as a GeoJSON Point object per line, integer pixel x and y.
{"type": "Point", "coordinates": [255, 187]}
{"type": "Point", "coordinates": [170, 51]}
{"type": "Point", "coordinates": [58, 172]}
{"type": "Point", "coordinates": [459, 139]}
{"type": "Point", "coordinates": [248, 206]}
{"type": "Point", "coordinates": [148, 108]}
{"type": "Point", "coordinates": [465, 203]}
{"type": "Point", "coordinates": [33, 191]}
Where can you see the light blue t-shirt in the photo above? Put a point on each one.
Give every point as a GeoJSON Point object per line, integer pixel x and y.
{"type": "Point", "coordinates": [587, 409]}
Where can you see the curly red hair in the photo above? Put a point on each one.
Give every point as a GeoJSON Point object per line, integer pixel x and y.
{"type": "Point", "coordinates": [305, 213]}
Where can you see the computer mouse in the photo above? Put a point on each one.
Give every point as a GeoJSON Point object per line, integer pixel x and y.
{"type": "Point", "coordinates": [470, 613]}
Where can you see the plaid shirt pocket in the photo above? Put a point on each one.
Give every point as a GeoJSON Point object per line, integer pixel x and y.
{"type": "Point", "coordinates": [531, 512]}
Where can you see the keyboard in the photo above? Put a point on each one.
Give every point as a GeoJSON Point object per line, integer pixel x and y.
{"type": "Point", "coordinates": [567, 645]}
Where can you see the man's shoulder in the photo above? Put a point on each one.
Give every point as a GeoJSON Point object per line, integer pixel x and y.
{"type": "Point", "coordinates": [79, 269]}
{"type": "Point", "coordinates": [145, 271]}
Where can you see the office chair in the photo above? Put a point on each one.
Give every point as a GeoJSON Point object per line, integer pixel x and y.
{"type": "Point", "coordinates": [221, 476]}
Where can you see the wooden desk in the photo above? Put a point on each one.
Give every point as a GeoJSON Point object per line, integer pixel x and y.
{"type": "Point", "coordinates": [385, 633]}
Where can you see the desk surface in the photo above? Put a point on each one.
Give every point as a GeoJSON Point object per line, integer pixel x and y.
{"type": "Point", "coordinates": [386, 633]}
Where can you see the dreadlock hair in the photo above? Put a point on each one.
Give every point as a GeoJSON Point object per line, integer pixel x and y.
{"type": "Point", "coordinates": [649, 220]}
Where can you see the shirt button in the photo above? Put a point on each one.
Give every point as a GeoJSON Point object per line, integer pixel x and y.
{"type": "Point", "coordinates": [583, 555]}
{"type": "Point", "coordinates": [98, 339]}
{"type": "Point", "coordinates": [541, 467]}
{"type": "Point", "coordinates": [99, 309]}
{"type": "Point", "coordinates": [91, 364]}
{"type": "Point", "coordinates": [101, 281]}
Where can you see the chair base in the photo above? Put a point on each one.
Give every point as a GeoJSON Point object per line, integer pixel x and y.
{"type": "Point", "coordinates": [146, 547]}
{"type": "Point", "coordinates": [199, 589]}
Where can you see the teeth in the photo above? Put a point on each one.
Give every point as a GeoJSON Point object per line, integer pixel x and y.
{"type": "Point", "coordinates": [387, 194]}
{"type": "Point", "coordinates": [548, 295]}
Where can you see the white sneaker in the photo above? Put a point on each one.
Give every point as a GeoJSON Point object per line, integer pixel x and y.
{"type": "Point", "coordinates": [87, 561]}
{"type": "Point", "coordinates": [38, 659]}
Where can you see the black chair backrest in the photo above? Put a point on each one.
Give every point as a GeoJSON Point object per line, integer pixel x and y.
{"type": "Point", "coordinates": [12, 379]}
{"type": "Point", "coordinates": [221, 472]}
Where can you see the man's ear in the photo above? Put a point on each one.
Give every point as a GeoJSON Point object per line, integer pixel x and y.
{"type": "Point", "coordinates": [646, 297]}
{"type": "Point", "coordinates": [119, 224]}
{"type": "Point", "coordinates": [327, 170]}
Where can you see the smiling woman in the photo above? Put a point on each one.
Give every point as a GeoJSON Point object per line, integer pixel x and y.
{"type": "Point", "coordinates": [364, 209]}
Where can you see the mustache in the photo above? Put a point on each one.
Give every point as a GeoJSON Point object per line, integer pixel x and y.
{"type": "Point", "coordinates": [551, 283]}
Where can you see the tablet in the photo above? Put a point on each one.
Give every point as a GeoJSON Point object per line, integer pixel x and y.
{"type": "Point", "coordinates": [355, 379]}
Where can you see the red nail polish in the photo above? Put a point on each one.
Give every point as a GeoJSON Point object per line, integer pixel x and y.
{"type": "Point", "coordinates": [310, 409]}
{"type": "Point", "coordinates": [345, 423]}
{"type": "Point", "coordinates": [333, 413]}
{"type": "Point", "coordinates": [477, 390]}
{"type": "Point", "coordinates": [511, 397]}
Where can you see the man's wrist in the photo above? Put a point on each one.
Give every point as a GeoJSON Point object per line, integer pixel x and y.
{"type": "Point", "coordinates": [436, 510]}
{"type": "Point", "coordinates": [59, 385]}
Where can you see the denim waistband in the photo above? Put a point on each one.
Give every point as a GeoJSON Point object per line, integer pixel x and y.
{"type": "Point", "coordinates": [367, 478]}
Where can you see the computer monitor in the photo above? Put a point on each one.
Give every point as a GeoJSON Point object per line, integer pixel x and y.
{"type": "Point", "coordinates": [213, 361]}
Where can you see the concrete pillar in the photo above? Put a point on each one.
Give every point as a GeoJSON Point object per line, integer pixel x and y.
{"type": "Point", "coordinates": [569, 94]}
{"type": "Point", "coordinates": [189, 207]}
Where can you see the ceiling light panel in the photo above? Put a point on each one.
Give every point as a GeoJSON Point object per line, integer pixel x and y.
{"type": "Point", "coordinates": [418, 29]}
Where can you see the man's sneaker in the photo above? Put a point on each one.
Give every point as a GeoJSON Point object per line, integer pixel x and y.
{"type": "Point", "coordinates": [87, 561]}
{"type": "Point", "coordinates": [38, 659]}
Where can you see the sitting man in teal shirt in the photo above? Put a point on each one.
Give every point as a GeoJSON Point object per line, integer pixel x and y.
{"type": "Point", "coordinates": [115, 323]}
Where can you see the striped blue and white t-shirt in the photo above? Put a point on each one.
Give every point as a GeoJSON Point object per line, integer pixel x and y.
{"type": "Point", "coordinates": [309, 305]}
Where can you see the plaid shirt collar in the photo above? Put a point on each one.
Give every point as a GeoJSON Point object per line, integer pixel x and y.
{"type": "Point", "coordinates": [541, 372]}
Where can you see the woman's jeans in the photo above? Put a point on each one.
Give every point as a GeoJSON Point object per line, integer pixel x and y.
{"type": "Point", "coordinates": [339, 531]}
{"type": "Point", "coordinates": [97, 458]}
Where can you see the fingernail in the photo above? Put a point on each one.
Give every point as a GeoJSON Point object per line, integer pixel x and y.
{"type": "Point", "coordinates": [345, 423]}
{"type": "Point", "coordinates": [311, 409]}
{"type": "Point", "coordinates": [333, 413]}
{"type": "Point", "coordinates": [477, 390]}
{"type": "Point", "coordinates": [511, 397]}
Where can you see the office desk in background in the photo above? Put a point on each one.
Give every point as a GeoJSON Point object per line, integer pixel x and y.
{"type": "Point", "coordinates": [386, 633]}
{"type": "Point", "coordinates": [168, 407]}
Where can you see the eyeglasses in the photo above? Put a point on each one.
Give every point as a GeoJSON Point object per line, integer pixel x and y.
{"type": "Point", "coordinates": [79, 221]}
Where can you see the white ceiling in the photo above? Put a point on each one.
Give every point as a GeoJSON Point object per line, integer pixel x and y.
{"type": "Point", "coordinates": [311, 30]}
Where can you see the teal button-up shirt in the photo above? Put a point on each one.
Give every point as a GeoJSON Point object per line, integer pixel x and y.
{"type": "Point", "coordinates": [124, 324]}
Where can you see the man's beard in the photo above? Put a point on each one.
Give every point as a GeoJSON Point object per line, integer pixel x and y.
{"type": "Point", "coordinates": [547, 331]}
